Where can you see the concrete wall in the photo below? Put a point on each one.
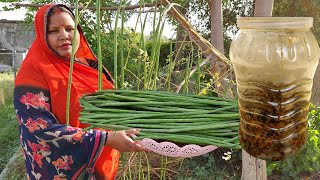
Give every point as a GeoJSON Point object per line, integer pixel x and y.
{"type": "Point", "coordinates": [17, 36]}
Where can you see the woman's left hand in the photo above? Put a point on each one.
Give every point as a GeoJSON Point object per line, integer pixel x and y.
{"type": "Point", "coordinates": [122, 141]}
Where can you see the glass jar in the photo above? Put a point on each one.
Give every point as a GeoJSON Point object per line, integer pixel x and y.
{"type": "Point", "coordinates": [274, 59]}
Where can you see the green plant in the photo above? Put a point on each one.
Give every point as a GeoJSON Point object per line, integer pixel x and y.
{"type": "Point", "coordinates": [164, 51]}
{"type": "Point", "coordinates": [308, 160]}
{"type": "Point", "coordinates": [131, 41]}
{"type": "Point", "coordinates": [9, 137]}
{"type": "Point", "coordinates": [211, 166]}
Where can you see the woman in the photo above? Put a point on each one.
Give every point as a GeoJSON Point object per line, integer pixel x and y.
{"type": "Point", "coordinates": [52, 149]}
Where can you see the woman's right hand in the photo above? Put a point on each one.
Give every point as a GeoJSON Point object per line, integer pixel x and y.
{"type": "Point", "coordinates": [122, 141]}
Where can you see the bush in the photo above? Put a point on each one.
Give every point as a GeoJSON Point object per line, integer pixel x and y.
{"type": "Point", "coordinates": [308, 160]}
{"type": "Point", "coordinates": [212, 166]}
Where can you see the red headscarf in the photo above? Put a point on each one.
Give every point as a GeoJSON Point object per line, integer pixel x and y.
{"type": "Point", "coordinates": [45, 69]}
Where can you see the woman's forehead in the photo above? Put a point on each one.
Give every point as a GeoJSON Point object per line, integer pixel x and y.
{"type": "Point", "coordinates": [61, 18]}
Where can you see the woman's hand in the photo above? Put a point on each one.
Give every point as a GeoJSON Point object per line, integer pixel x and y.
{"type": "Point", "coordinates": [121, 141]}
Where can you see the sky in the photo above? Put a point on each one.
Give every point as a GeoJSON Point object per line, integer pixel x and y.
{"type": "Point", "coordinates": [20, 13]}
{"type": "Point", "coordinates": [11, 15]}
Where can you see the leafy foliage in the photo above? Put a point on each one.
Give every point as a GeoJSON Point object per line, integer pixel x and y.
{"type": "Point", "coordinates": [231, 9]}
{"type": "Point", "coordinates": [164, 51]}
{"type": "Point", "coordinates": [131, 49]}
{"type": "Point", "coordinates": [198, 14]}
{"type": "Point", "coordinates": [308, 160]}
{"type": "Point", "coordinates": [211, 166]}
{"type": "Point", "coordinates": [300, 8]}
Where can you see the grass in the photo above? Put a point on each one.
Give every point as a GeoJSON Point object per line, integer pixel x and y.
{"type": "Point", "coordinates": [19, 170]}
{"type": "Point", "coordinates": [9, 136]}
{"type": "Point", "coordinates": [208, 166]}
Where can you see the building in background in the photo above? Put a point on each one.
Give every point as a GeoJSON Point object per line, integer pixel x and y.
{"type": "Point", "coordinates": [15, 40]}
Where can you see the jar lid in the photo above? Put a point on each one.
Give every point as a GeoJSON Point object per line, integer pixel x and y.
{"type": "Point", "coordinates": [275, 22]}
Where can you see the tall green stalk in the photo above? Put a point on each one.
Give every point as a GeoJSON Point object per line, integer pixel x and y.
{"type": "Point", "coordinates": [165, 167]}
{"type": "Point", "coordinates": [121, 51]}
{"type": "Point", "coordinates": [142, 43]}
{"type": "Point", "coordinates": [157, 55]}
{"type": "Point", "coordinates": [169, 68]}
{"type": "Point", "coordinates": [143, 47]}
{"type": "Point", "coordinates": [188, 68]}
{"type": "Point", "coordinates": [99, 46]}
{"type": "Point", "coordinates": [73, 52]}
{"type": "Point", "coordinates": [140, 167]}
{"type": "Point", "coordinates": [185, 85]}
{"type": "Point", "coordinates": [152, 58]}
{"type": "Point", "coordinates": [164, 161]}
{"type": "Point", "coordinates": [161, 167]}
{"type": "Point", "coordinates": [130, 173]}
{"type": "Point", "coordinates": [115, 47]}
{"type": "Point", "coordinates": [198, 72]}
{"type": "Point", "coordinates": [155, 52]}
{"type": "Point", "coordinates": [148, 166]}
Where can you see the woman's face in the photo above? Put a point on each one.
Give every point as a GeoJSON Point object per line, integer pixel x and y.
{"type": "Point", "coordinates": [60, 34]}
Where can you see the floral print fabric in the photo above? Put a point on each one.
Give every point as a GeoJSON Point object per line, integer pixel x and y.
{"type": "Point", "coordinates": [53, 150]}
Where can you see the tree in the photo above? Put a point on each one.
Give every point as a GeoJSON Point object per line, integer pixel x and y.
{"type": "Point", "coordinates": [216, 24]}
{"type": "Point", "coordinates": [255, 168]}
{"type": "Point", "coordinates": [218, 69]}
{"type": "Point", "coordinates": [263, 7]}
